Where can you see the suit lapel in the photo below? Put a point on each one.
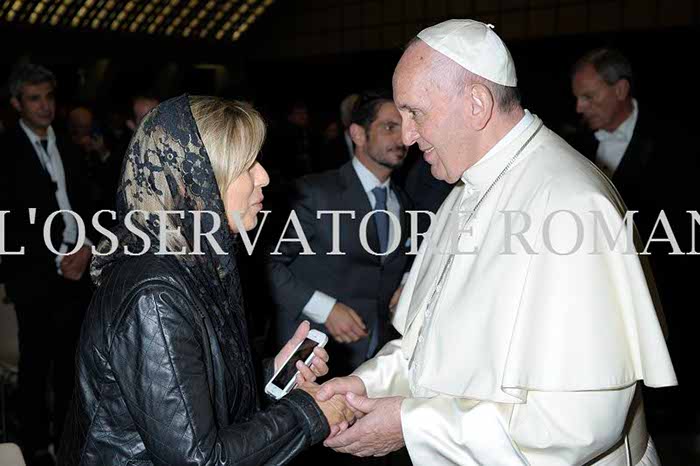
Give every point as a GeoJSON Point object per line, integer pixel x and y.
{"type": "Point", "coordinates": [31, 159]}
{"type": "Point", "coordinates": [28, 164]}
{"type": "Point", "coordinates": [636, 157]}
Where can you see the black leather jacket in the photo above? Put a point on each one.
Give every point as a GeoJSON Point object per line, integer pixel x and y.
{"type": "Point", "coordinates": [152, 387]}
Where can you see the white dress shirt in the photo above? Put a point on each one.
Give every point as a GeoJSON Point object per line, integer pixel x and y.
{"type": "Point", "coordinates": [612, 145]}
{"type": "Point", "coordinates": [50, 159]}
{"type": "Point", "coordinates": [319, 307]}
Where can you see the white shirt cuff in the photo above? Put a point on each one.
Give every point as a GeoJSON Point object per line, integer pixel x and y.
{"type": "Point", "coordinates": [59, 259]}
{"type": "Point", "coordinates": [319, 307]}
{"type": "Point", "coordinates": [404, 279]}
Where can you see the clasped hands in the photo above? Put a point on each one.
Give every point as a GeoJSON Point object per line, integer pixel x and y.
{"type": "Point", "coordinates": [360, 426]}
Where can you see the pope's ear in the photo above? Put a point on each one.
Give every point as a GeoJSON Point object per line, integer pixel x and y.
{"type": "Point", "coordinates": [481, 105]}
{"type": "Point", "coordinates": [358, 135]}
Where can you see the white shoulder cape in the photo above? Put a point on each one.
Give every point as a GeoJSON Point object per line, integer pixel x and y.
{"type": "Point", "coordinates": [549, 321]}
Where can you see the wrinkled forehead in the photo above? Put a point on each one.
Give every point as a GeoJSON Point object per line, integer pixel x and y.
{"type": "Point", "coordinates": [587, 79]}
{"type": "Point", "coordinates": [413, 77]}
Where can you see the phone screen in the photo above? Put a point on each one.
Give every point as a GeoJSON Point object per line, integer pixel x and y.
{"type": "Point", "coordinates": [290, 368]}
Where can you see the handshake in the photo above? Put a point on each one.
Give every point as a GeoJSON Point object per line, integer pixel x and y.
{"type": "Point", "coordinates": [359, 425]}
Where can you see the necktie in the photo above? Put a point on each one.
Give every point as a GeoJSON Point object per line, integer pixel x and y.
{"type": "Point", "coordinates": [381, 220]}
{"type": "Point", "coordinates": [46, 161]}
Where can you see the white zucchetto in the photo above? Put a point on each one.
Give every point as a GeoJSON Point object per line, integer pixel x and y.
{"type": "Point", "coordinates": [474, 46]}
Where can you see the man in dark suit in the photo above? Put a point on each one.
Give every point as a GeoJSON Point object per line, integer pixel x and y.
{"type": "Point", "coordinates": [621, 141]}
{"type": "Point", "coordinates": [652, 164]}
{"type": "Point", "coordinates": [345, 289]}
{"type": "Point", "coordinates": [50, 291]}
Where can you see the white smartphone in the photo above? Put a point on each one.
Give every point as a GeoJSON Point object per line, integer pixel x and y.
{"type": "Point", "coordinates": [284, 379]}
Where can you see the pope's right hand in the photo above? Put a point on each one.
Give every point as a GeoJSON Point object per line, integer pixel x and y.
{"type": "Point", "coordinates": [345, 325]}
{"type": "Point", "coordinates": [341, 386]}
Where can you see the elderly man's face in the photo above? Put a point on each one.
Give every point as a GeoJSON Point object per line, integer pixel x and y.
{"type": "Point", "coordinates": [432, 115]}
{"type": "Point", "coordinates": [597, 101]}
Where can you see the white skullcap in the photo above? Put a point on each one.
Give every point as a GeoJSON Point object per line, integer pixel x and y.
{"type": "Point", "coordinates": [475, 47]}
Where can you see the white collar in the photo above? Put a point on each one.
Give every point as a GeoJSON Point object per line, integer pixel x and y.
{"type": "Point", "coordinates": [33, 137]}
{"type": "Point", "coordinates": [367, 178]}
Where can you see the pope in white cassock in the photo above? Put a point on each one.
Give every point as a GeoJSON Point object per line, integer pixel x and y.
{"type": "Point", "coordinates": [526, 327]}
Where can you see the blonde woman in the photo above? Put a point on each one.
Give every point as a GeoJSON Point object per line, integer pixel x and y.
{"type": "Point", "coordinates": [165, 371]}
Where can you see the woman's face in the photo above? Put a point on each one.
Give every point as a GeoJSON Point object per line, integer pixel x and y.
{"type": "Point", "coordinates": [244, 197]}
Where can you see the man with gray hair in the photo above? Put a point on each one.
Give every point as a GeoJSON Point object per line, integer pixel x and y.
{"type": "Point", "coordinates": [49, 291]}
{"type": "Point", "coordinates": [651, 162]}
{"type": "Point", "coordinates": [621, 144]}
{"type": "Point", "coordinates": [518, 345]}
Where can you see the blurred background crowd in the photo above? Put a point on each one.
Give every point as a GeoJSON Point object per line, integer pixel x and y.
{"type": "Point", "coordinates": [303, 64]}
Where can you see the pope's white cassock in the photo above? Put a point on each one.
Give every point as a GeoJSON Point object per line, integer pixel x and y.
{"type": "Point", "coordinates": [529, 350]}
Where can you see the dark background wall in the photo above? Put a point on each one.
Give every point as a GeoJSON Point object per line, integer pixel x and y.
{"type": "Point", "coordinates": [324, 49]}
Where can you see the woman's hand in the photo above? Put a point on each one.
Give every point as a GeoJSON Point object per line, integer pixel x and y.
{"type": "Point", "coordinates": [318, 367]}
{"type": "Point", "coordinates": [338, 413]}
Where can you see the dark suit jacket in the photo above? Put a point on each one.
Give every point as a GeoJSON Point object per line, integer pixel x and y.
{"type": "Point", "coordinates": [358, 279]}
{"type": "Point", "coordinates": [332, 154]}
{"type": "Point", "coordinates": [647, 177]}
{"type": "Point", "coordinates": [24, 184]}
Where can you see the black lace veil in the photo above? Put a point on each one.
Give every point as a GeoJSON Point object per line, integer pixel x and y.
{"type": "Point", "coordinates": [166, 168]}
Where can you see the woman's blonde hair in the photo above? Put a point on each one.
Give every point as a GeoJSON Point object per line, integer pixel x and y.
{"type": "Point", "coordinates": [233, 133]}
